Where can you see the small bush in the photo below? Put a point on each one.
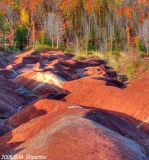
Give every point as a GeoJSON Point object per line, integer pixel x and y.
{"type": "Point", "coordinates": [130, 70]}
{"type": "Point", "coordinates": [44, 48]}
{"type": "Point", "coordinates": [8, 50]}
{"type": "Point", "coordinates": [28, 48]}
{"type": "Point", "coordinates": [62, 47]}
{"type": "Point", "coordinates": [69, 49]}
{"type": "Point", "coordinates": [20, 37]}
{"type": "Point", "coordinates": [141, 47]}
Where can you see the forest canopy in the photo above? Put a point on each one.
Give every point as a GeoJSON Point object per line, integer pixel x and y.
{"type": "Point", "coordinates": [103, 25]}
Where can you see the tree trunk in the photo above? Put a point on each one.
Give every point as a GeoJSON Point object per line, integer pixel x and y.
{"type": "Point", "coordinates": [77, 43]}
{"type": "Point", "coordinates": [128, 37]}
{"type": "Point", "coordinates": [57, 42]}
{"type": "Point", "coordinates": [52, 43]}
{"type": "Point", "coordinates": [5, 40]}
{"type": "Point", "coordinates": [33, 33]}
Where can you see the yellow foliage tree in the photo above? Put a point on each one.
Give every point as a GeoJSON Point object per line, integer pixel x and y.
{"type": "Point", "coordinates": [24, 17]}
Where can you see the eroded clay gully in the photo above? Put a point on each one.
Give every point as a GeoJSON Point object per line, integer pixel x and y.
{"type": "Point", "coordinates": [57, 108]}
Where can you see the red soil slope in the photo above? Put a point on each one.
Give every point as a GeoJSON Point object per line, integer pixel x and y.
{"type": "Point", "coordinates": [99, 94]}
{"type": "Point", "coordinates": [58, 129]}
{"type": "Point", "coordinates": [40, 82]}
{"type": "Point", "coordinates": [65, 140]}
{"type": "Point", "coordinates": [141, 84]}
{"type": "Point", "coordinates": [95, 117]}
{"type": "Point", "coordinates": [3, 61]}
{"type": "Point", "coordinates": [10, 100]}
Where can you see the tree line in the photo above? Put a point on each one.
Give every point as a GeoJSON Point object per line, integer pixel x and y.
{"type": "Point", "coordinates": [103, 25]}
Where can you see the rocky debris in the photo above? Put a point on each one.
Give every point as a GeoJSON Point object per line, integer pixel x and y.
{"type": "Point", "coordinates": [66, 132]}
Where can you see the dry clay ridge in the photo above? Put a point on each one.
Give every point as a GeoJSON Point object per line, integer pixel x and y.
{"type": "Point", "coordinates": [56, 108]}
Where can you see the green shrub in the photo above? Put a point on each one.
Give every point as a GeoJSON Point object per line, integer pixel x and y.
{"type": "Point", "coordinates": [44, 48]}
{"type": "Point", "coordinates": [62, 47]}
{"type": "Point", "coordinates": [90, 46]}
{"type": "Point", "coordinates": [45, 41]}
{"type": "Point", "coordinates": [130, 70]}
{"type": "Point", "coordinates": [8, 49]}
{"type": "Point", "coordinates": [20, 37]}
{"type": "Point", "coordinates": [28, 48]}
{"type": "Point", "coordinates": [141, 47]}
{"type": "Point", "coordinates": [69, 49]}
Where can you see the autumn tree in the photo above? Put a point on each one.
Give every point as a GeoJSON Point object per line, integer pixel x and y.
{"type": "Point", "coordinates": [54, 28]}
{"type": "Point", "coordinates": [104, 25]}
{"type": "Point", "coordinates": [144, 34]}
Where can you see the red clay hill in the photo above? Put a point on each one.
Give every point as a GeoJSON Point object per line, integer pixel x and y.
{"type": "Point", "coordinates": [56, 108]}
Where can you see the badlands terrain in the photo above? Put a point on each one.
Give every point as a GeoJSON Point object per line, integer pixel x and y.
{"type": "Point", "coordinates": [56, 108]}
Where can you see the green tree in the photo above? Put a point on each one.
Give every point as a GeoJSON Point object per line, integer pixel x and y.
{"type": "Point", "coordinates": [21, 37]}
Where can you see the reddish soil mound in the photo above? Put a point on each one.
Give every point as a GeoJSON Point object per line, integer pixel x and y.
{"type": "Point", "coordinates": [52, 55]}
{"type": "Point", "coordinates": [4, 127]}
{"type": "Point", "coordinates": [99, 118]}
{"type": "Point", "coordinates": [32, 59]}
{"type": "Point", "coordinates": [94, 71]}
{"type": "Point", "coordinates": [103, 117]}
{"type": "Point", "coordinates": [40, 82]}
{"type": "Point", "coordinates": [99, 94]}
{"type": "Point", "coordinates": [58, 129]}
{"type": "Point", "coordinates": [141, 85]}
{"type": "Point", "coordinates": [10, 100]}
{"type": "Point", "coordinates": [17, 60]}
{"type": "Point", "coordinates": [72, 138]}
{"type": "Point", "coordinates": [3, 61]}
{"type": "Point", "coordinates": [8, 74]}
{"type": "Point", "coordinates": [62, 64]}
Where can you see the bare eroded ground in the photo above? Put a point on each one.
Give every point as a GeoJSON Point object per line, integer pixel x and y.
{"type": "Point", "coordinates": [63, 109]}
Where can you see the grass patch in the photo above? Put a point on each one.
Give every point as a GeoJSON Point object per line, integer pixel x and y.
{"type": "Point", "coordinates": [44, 48]}
{"type": "Point", "coordinates": [128, 64]}
{"type": "Point", "coordinates": [92, 54]}
{"type": "Point", "coordinates": [9, 50]}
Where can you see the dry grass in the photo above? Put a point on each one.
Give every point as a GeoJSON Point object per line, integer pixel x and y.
{"type": "Point", "coordinates": [128, 64]}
